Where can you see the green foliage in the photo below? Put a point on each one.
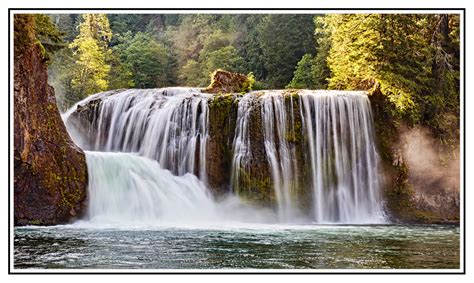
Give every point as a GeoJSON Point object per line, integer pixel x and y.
{"type": "Point", "coordinates": [90, 48]}
{"type": "Point", "coordinates": [67, 24]}
{"type": "Point", "coordinates": [248, 44]}
{"type": "Point", "coordinates": [320, 69]}
{"type": "Point", "coordinates": [224, 58]}
{"type": "Point", "coordinates": [249, 83]}
{"type": "Point", "coordinates": [48, 34]}
{"type": "Point", "coordinates": [145, 59]}
{"type": "Point", "coordinates": [191, 74]}
{"type": "Point", "coordinates": [412, 59]}
{"type": "Point", "coordinates": [304, 74]}
{"type": "Point", "coordinates": [284, 39]}
{"type": "Point", "coordinates": [120, 76]}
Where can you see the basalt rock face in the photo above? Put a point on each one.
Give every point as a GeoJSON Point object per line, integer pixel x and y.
{"type": "Point", "coordinates": [50, 171]}
{"type": "Point", "coordinates": [222, 123]}
{"type": "Point", "coordinates": [420, 185]}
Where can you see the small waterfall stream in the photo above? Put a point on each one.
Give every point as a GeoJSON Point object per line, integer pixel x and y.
{"type": "Point", "coordinates": [147, 154]}
{"type": "Point", "coordinates": [280, 156]}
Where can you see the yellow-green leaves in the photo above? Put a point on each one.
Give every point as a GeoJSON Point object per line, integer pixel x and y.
{"type": "Point", "coordinates": [90, 49]}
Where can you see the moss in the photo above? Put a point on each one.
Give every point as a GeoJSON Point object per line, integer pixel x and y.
{"type": "Point", "coordinates": [291, 93]}
{"type": "Point", "coordinates": [36, 222]}
{"type": "Point", "coordinates": [222, 120]}
{"type": "Point", "coordinates": [254, 189]}
{"type": "Point", "coordinates": [43, 52]}
{"type": "Point", "coordinates": [24, 33]}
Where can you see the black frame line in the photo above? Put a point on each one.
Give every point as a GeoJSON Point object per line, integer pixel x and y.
{"type": "Point", "coordinates": [290, 272]}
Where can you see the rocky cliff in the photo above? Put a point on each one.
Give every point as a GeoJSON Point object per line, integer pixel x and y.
{"type": "Point", "coordinates": [421, 175]}
{"type": "Point", "coordinates": [50, 172]}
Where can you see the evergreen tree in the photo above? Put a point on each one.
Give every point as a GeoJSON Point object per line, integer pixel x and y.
{"type": "Point", "coordinates": [320, 69]}
{"type": "Point", "coordinates": [304, 74]}
{"type": "Point", "coordinates": [412, 59]}
{"type": "Point", "coordinates": [284, 39]}
{"type": "Point", "coordinates": [249, 46]}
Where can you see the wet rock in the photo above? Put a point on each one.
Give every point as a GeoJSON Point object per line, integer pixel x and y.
{"type": "Point", "coordinates": [419, 187]}
{"type": "Point", "coordinates": [50, 172]}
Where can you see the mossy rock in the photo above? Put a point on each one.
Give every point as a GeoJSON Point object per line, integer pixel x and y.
{"type": "Point", "coordinates": [227, 82]}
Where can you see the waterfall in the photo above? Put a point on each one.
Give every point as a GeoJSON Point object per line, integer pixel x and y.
{"type": "Point", "coordinates": [127, 189]}
{"type": "Point", "coordinates": [342, 155]}
{"type": "Point", "coordinates": [280, 156]}
{"type": "Point", "coordinates": [242, 145]}
{"type": "Point", "coordinates": [339, 159]}
{"type": "Point", "coordinates": [168, 125]}
{"type": "Point", "coordinates": [313, 151]}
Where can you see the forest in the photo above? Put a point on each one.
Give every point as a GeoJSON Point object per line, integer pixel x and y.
{"type": "Point", "coordinates": [413, 59]}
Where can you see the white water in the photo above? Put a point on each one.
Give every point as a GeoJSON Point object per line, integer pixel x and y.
{"type": "Point", "coordinates": [168, 125]}
{"type": "Point", "coordinates": [343, 157]}
{"type": "Point", "coordinates": [280, 156]}
{"type": "Point", "coordinates": [129, 190]}
{"type": "Point", "coordinates": [241, 144]}
{"type": "Point", "coordinates": [338, 149]}
{"type": "Point", "coordinates": [144, 132]}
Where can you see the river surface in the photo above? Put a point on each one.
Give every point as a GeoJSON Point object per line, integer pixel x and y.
{"type": "Point", "coordinates": [238, 247]}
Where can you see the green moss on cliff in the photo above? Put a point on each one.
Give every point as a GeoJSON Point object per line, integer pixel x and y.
{"type": "Point", "coordinates": [256, 190]}
{"type": "Point", "coordinates": [222, 120]}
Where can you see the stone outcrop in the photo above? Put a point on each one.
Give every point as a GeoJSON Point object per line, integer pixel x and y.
{"type": "Point", "coordinates": [227, 82]}
{"type": "Point", "coordinates": [50, 171]}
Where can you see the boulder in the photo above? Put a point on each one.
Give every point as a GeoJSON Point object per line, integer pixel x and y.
{"type": "Point", "coordinates": [227, 82]}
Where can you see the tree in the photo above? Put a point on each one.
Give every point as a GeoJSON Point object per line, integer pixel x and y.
{"type": "Point", "coordinates": [226, 58]}
{"type": "Point", "coordinates": [323, 45]}
{"type": "Point", "coordinates": [382, 51]}
{"type": "Point", "coordinates": [120, 76]}
{"type": "Point", "coordinates": [48, 34]}
{"type": "Point", "coordinates": [412, 59]}
{"type": "Point", "coordinates": [146, 59]}
{"type": "Point", "coordinates": [304, 74]}
{"type": "Point", "coordinates": [90, 49]}
{"type": "Point", "coordinates": [249, 46]}
{"type": "Point", "coordinates": [284, 39]}
{"type": "Point", "coordinates": [191, 74]}
{"type": "Point", "coordinates": [60, 76]}
{"type": "Point", "coordinates": [67, 24]}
